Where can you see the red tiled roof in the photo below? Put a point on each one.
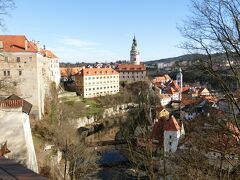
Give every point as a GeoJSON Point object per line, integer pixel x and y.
{"type": "Point", "coordinates": [16, 43]}
{"type": "Point", "coordinates": [172, 124]}
{"type": "Point", "coordinates": [131, 67]}
{"type": "Point", "coordinates": [96, 71]}
{"type": "Point", "coordinates": [158, 130]}
{"type": "Point", "coordinates": [160, 79]}
{"type": "Point", "coordinates": [19, 43]}
{"type": "Point", "coordinates": [73, 71]}
{"type": "Point", "coordinates": [191, 101]}
{"type": "Point", "coordinates": [186, 88]}
{"type": "Point", "coordinates": [14, 101]}
{"type": "Point", "coordinates": [49, 54]}
{"type": "Point", "coordinates": [174, 85]}
{"type": "Point", "coordinates": [11, 103]}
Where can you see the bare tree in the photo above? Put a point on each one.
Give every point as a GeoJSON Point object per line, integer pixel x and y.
{"type": "Point", "coordinates": [214, 30]}
{"type": "Point", "coordinates": [5, 7]}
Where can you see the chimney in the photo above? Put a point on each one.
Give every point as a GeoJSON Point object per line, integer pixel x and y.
{"type": "Point", "coordinates": [38, 45]}
{"type": "Point", "coordinates": [26, 45]}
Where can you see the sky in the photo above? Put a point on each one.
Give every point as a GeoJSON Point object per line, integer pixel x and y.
{"type": "Point", "coordinates": [101, 30]}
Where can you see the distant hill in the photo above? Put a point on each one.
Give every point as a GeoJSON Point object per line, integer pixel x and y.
{"type": "Point", "coordinates": [188, 57]}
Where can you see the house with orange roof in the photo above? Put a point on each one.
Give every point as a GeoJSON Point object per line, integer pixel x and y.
{"type": "Point", "coordinates": [173, 131]}
{"type": "Point", "coordinates": [93, 82]}
{"type": "Point", "coordinates": [161, 79]}
{"type": "Point", "coordinates": [31, 67]}
{"type": "Point", "coordinates": [131, 72]}
{"type": "Point", "coordinates": [134, 71]}
{"type": "Point", "coordinates": [166, 132]}
{"type": "Point", "coordinates": [69, 73]}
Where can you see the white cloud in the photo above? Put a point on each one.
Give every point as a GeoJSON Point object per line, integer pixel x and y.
{"type": "Point", "coordinates": [77, 42]}
{"type": "Point", "coordinates": [68, 54]}
{"type": "Point", "coordinates": [71, 49]}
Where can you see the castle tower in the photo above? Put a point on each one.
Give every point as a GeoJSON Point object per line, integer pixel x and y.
{"type": "Point", "coordinates": [134, 53]}
{"type": "Point", "coordinates": [180, 82]}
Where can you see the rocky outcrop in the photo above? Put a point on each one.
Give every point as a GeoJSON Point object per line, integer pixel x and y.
{"type": "Point", "coordinates": [113, 111]}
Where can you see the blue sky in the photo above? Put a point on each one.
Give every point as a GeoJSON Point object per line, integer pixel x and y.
{"type": "Point", "coordinates": [101, 30]}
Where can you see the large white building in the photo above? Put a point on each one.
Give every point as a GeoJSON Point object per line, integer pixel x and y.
{"type": "Point", "coordinates": [30, 67]}
{"type": "Point", "coordinates": [93, 82]}
{"type": "Point", "coordinates": [134, 71]}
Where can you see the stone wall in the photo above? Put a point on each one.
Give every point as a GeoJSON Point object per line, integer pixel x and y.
{"type": "Point", "coordinates": [15, 129]}
{"type": "Point", "coordinates": [113, 111]}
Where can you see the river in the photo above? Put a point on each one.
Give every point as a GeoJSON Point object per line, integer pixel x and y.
{"type": "Point", "coordinates": [112, 164]}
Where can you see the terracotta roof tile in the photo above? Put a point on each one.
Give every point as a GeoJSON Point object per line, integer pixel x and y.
{"type": "Point", "coordinates": [160, 79]}
{"type": "Point", "coordinates": [16, 43]}
{"type": "Point", "coordinates": [72, 71]}
{"type": "Point", "coordinates": [19, 43]}
{"type": "Point", "coordinates": [131, 67]}
{"type": "Point", "coordinates": [172, 124]}
{"type": "Point", "coordinates": [96, 71]}
{"type": "Point", "coordinates": [14, 101]}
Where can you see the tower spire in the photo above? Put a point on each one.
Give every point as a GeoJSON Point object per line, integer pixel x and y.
{"type": "Point", "coordinates": [134, 53]}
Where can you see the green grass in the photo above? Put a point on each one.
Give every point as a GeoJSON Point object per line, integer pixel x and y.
{"type": "Point", "coordinates": [76, 107]}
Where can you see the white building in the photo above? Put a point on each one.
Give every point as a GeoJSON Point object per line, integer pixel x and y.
{"type": "Point", "coordinates": [134, 71]}
{"type": "Point", "coordinates": [30, 67]}
{"type": "Point", "coordinates": [167, 132]}
{"type": "Point", "coordinates": [93, 82]}
{"type": "Point", "coordinates": [173, 131]}
{"type": "Point", "coordinates": [15, 129]}
{"type": "Point", "coordinates": [131, 73]}
{"type": "Point", "coordinates": [165, 99]}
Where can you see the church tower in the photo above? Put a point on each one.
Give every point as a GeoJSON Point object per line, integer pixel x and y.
{"type": "Point", "coordinates": [134, 53]}
{"type": "Point", "coordinates": [180, 82]}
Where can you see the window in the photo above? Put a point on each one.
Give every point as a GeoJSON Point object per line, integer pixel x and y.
{"type": "Point", "coordinates": [170, 137]}
{"type": "Point", "coordinates": [5, 73]}
{"type": "Point", "coordinates": [30, 58]}
{"type": "Point", "coordinates": [8, 73]}
{"type": "Point", "coordinates": [6, 59]}
{"type": "Point", "coordinates": [18, 59]}
{"type": "Point", "coordinates": [170, 143]}
{"type": "Point", "coordinates": [20, 72]}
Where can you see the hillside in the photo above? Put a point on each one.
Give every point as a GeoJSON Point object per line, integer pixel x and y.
{"type": "Point", "coordinates": [188, 57]}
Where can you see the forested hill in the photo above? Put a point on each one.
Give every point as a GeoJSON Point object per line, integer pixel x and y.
{"type": "Point", "coordinates": [188, 57]}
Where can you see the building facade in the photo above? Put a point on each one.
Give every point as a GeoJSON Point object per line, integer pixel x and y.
{"type": "Point", "coordinates": [15, 129]}
{"type": "Point", "coordinates": [134, 71]}
{"type": "Point", "coordinates": [31, 69]}
{"type": "Point", "coordinates": [93, 82]}
{"type": "Point", "coordinates": [131, 73]}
